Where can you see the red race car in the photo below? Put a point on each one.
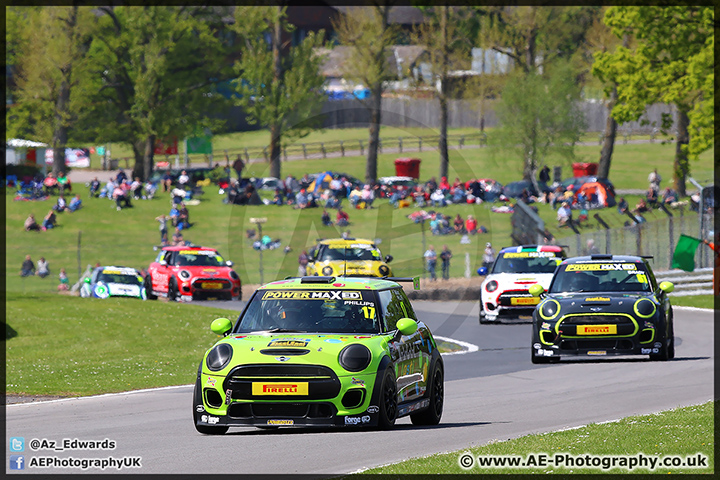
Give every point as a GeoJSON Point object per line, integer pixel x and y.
{"type": "Point", "coordinates": [191, 273]}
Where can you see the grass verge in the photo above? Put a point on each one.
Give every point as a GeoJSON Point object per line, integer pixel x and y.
{"type": "Point", "coordinates": [70, 346]}
{"type": "Point", "coordinates": [697, 301]}
{"type": "Point", "coordinates": [683, 432]}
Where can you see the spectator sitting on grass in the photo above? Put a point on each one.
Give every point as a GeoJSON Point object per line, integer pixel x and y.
{"type": "Point", "coordinates": [278, 199]}
{"type": "Point", "coordinates": [136, 188]}
{"type": "Point", "coordinates": [622, 206]}
{"type": "Point", "coordinates": [641, 207]}
{"type": "Point", "coordinates": [459, 225]}
{"type": "Point", "coordinates": [669, 196]}
{"type": "Point", "coordinates": [43, 269]}
{"type": "Point", "coordinates": [61, 204]}
{"type": "Point", "coordinates": [183, 179]}
{"type": "Point", "coordinates": [94, 187]}
{"type": "Point", "coordinates": [177, 238]}
{"type": "Point", "coordinates": [121, 197]}
{"type": "Point", "coordinates": [458, 194]}
{"type": "Point", "coordinates": [150, 189]}
{"type": "Point", "coordinates": [174, 214]}
{"type": "Point", "coordinates": [326, 219]}
{"type": "Point", "coordinates": [178, 195]}
{"type": "Point", "coordinates": [50, 183]}
{"type": "Point", "coordinates": [368, 196]}
{"type": "Point", "coordinates": [564, 215]}
{"type": "Point", "coordinates": [301, 199]}
{"type": "Point", "coordinates": [444, 185]}
{"type": "Point", "coordinates": [75, 203]}
{"type": "Point", "coordinates": [166, 181]}
{"type": "Point", "coordinates": [64, 281]}
{"type": "Point", "coordinates": [50, 220]}
{"type": "Point", "coordinates": [437, 198]}
{"type": "Point", "coordinates": [333, 202]}
{"type": "Point", "coordinates": [31, 224]}
{"type": "Point", "coordinates": [651, 197]}
{"type": "Point", "coordinates": [108, 190]}
{"type": "Point", "coordinates": [121, 176]}
{"type": "Point", "coordinates": [355, 196]}
{"type": "Point", "coordinates": [434, 224]}
{"type": "Point", "coordinates": [471, 225]}
{"type": "Point", "coordinates": [28, 267]}
{"type": "Point", "coordinates": [63, 182]}
{"type": "Point", "coordinates": [342, 219]}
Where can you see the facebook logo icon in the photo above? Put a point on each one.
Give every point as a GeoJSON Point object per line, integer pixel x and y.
{"type": "Point", "coordinates": [17, 444]}
{"type": "Point", "coordinates": [17, 462]}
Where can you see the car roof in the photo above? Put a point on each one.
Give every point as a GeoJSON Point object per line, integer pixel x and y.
{"type": "Point", "coordinates": [343, 241]}
{"type": "Point", "coordinates": [176, 248]}
{"type": "Point", "coordinates": [532, 248]}
{"type": "Point", "coordinates": [339, 283]}
{"type": "Point", "coordinates": [120, 268]}
{"type": "Point", "coordinates": [602, 258]}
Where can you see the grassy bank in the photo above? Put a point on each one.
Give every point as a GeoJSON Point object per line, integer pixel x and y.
{"type": "Point", "coordinates": [683, 432]}
{"type": "Point", "coordinates": [126, 237]}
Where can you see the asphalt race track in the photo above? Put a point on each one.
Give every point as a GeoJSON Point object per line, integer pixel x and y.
{"type": "Point", "coordinates": [492, 394]}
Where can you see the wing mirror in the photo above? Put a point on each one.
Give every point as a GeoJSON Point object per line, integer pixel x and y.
{"type": "Point", "coordinates": [388, 258]}
{"type": "Point", "coordinates": [482, 271]}
{"type": "Point", "coordinates": [87, 280]}
{"type": "Point", "coordinates": [229, 263]}
{"type": "Point", "coordinates": [221, 326]}
{"type": "Point", "coordinates": [666, 287]}
{"type": "Point", "coordinates": [536, 290]}
{"type": "Point", "coordinates": [405, 326]}
{"type": "Point", "coordinates": [163, 263]}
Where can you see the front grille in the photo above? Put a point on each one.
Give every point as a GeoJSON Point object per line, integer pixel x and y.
{"type": "Point", "coordinates": [597, 344]}
{"type": "Point", "coordinates": [321, 381]}
{"type": "Point", "coordinates": [505, 299]}
{"type": "Point", "coordinates": [624, 325]}
{"type": "Point", "coordinates": [197, 284]}
{"type": "Point", "coordinates": [281, 410]}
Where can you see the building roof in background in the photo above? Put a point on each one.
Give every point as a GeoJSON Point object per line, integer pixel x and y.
{"type": "Point", "coordinates": [335, 57]}
{"type": "Point", "coordinates": [20, 143]}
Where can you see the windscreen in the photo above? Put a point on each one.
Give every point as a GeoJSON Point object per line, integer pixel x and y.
{"type": "Point", "coordinates": [526, 262]}
{"type": "Point", "coordinates": [358, 251]}
{"type": "Point", "coordinates": [601, 277]}
{"type": "Point", "coordinates": [313, 311]}
{"type": "Point", "coordinates": [111, 276]}
{"type": "Point", "coordinates": [203, 258]}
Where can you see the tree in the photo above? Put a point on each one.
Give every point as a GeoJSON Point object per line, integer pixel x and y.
{"type": "Point", "coordinates": [368, 32]}
{"type": "Point", "coordinates": [672, 62]}
{"type": "Point", "coordinates": [51, 68]}
{"type": "Point", "coordinates": [158, 67]}
{"type": "Point", "coordinates": [279, 88]}
{"type": "Point", "coordinates": [542, 42]}
{"type": "Point", "coordinates": [444, 36]}
{"type": "Point", "coordinates": [540, 115]}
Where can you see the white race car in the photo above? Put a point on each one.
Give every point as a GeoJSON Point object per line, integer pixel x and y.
{"type": "Point", "coordinates": [504, 292]}
{"type": "Point", "coordinates": [110, 281]}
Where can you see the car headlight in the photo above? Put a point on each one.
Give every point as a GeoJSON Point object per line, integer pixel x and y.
{"type": "Point", "coordinates": [327, 271]}
{"type": "Point", "coordinates": [549, 309]}
{"type": "Point", "coordinates": [234, 275]}
{"type": "Point", "coordinates": [644, 308]}
{"type": "Point", "coordinates": [491, 286]}
{"type": "Point", "coordinates": [219, 357]}
{"type": "Point", "coordinates": [184, 274]}
{"type": "Point", "coordinates": [384, 270]}
{"type": "Point", "coordinates": [355, 357]}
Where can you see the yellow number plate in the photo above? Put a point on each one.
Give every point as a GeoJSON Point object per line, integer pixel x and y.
{"type": "Point", "coordinates": [524, 301]}
{"type": "Point", "coordinates": [280, 388]}
{"type": "Point", "coordinates": [597, 329]}
{"type": "Point", "coordinates": [212, 285]}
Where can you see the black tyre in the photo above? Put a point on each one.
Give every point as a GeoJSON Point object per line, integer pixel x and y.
{"type": "Point", "coordinates": [172, 294]}
{"type": "Point", "coordinates": [388, 400]}
{"type": "Point", "coordinates": [197, 400]}
{"type": "Point", "coordinates": [148, 288]}
{"type": "Point", "coordinates": [667, 351]}
{"type": "Point", "coordinates": [432, 415]}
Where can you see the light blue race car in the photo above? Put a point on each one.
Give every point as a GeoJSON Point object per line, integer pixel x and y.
{"type": "Point", "coordinates": [105, 282]}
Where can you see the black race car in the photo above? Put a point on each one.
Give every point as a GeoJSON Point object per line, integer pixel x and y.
{"type": "Point", "coordinates": [602, 305]}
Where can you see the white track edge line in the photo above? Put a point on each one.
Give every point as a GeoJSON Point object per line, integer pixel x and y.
{"type": "Point", "coordinates": [144, 390]}
{"type": "Point", "coordinates": [469, 347]}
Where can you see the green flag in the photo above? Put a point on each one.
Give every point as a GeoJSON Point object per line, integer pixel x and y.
{"type": "Point", "coordinates": [684, 256]}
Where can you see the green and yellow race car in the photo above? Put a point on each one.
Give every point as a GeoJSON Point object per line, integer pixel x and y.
{"type": "Point", "coordinates": [349, 257]}
{"type": "Point", "coordinates": [321, 351]}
